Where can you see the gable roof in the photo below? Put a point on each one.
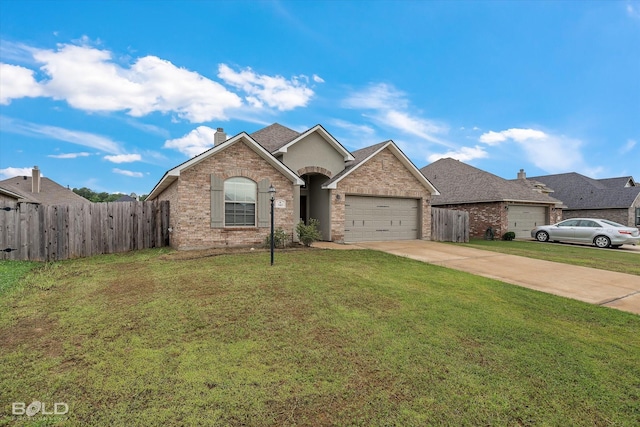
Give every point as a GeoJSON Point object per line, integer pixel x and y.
{"type": "Point", "coordinates": [581, 192]}
{"type": "Point", "coordinates": [126, 198]}
{"type": "Point", "coordinates": [463, 183]}
{"type": "Point", "coordinates": [173, 174]}
{"type": "Point", "coordinates": [51, 193]}
{"type": "Point", "coordinates": [361, 156]}
{"type": "Point", "coordinates": [274, 136]}
{"type": "Point", "coordinates": [619, 182]}
{"type": "Point", "coordinates": [12, 194]}
{"type": "Point", "coordinates": [324, 134]}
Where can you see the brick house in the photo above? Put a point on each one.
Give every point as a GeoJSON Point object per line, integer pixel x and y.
{"type": "Point", "coordinates": [37, 189]}
{"type": "Point", "coordinates": [492, 202]}
{"type": "Point", "coordinates": [221, 197]}
{"type": "Point", "coordinates": [615, 199]}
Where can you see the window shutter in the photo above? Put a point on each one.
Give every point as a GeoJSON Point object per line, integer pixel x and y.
{"type": "Point", "coordinates": [264, 204]}
{"type": "Point", "coordinates": [217, 202]}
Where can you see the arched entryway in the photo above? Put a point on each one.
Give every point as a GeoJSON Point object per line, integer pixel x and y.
{"type": "Point", "coordinates": [315, 202]}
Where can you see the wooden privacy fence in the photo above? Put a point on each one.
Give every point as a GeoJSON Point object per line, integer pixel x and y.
{"type": "Point", "coordinates": [56, 232]}
{"type": "Point", "coordinates": [449, 225]}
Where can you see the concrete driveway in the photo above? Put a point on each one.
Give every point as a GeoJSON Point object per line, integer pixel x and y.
{"type": "Point", "coordinates": [605, 288]}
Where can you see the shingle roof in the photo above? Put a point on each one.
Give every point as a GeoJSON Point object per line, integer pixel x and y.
{"type": "Point", "coordinates": [618, 182]}
{"type": "Point", "coordinates": [125, 198]}
{"type": "Point", "coordinates": [51, 193]}
{"type": "Point", "coordinates": [581, 192]}
{"type": "Point", "coordinates": [274, 136]}
{"type": "Point", "coordinates": [462, 183]}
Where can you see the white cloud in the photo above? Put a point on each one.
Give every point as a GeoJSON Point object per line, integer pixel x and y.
{"type": "Point", "coordinates": [10, 172]}
{"type": "Point", "coordinates": [195, 142]}
{"type": "Point", "coordinates": [464, 154]}
{"type": "Point", "coordinates": [353, 128]}
{"type": "Point", "coordinates": [91, 79]}
{"type": "Point", "coordinates": [276, 92]}
{"type": "Point", "coordinates": [631, 143]}
{"type": "Point", "coordinates": [69, 155]}
{"type": "Point", "coordinates": [379, 96]}
{"type": "Point", "coordinates": [633, 11]}
{"type": "Point", "coordinates": [551, 153]}
{"type": "Point", "coordinates": [88, 79]}
{"type": "Point", "coordinates": [519, 135]}
{"type": "Point", "coordinates": [123, 158]}
{"type": "Point", "coordinates": [128, 173]}
{"type": "Point", "coordinates": [390, 110]}
{"type": "Point", "coordinates": [17, 82]}
{"type": "Point", "coordinates": [86, 139]}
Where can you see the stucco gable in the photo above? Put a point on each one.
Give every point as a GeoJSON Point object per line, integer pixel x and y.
{"type": "Point", "coordinates": [326, 136]}
{"type": "Point", "coordinates": [173, 174]}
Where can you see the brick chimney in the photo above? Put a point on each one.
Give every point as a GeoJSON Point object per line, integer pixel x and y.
{"type": "Point", "coordinates": [522, 174]}
{"type": "Point", "coordinates": [219, 137]}
{"type": "Point", "coordinates": [35, 180]}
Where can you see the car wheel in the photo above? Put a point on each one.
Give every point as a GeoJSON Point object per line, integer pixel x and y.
{"type": "Point", "coordinates": [542, 236]}
{"type": "Point", "coordinates": [602, 241]}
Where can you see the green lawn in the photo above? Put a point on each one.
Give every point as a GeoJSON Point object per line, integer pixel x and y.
{"type": "Point", "coordinates": [322, 338]}
{"type": "Point", "coordinates": [586, 256]}
{"type": "Point", "coordinates": [12, 271]}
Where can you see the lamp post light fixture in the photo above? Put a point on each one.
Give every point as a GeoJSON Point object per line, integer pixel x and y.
{"type": "Point", "coordinates": [272, 192]}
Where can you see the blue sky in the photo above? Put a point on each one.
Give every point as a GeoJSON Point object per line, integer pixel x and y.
{"type": "Point", "coordinates": [111, 94]}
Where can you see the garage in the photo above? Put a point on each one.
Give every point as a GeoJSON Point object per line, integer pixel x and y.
{"type": "Point", "coordinates": [381, 218]}
{"type": "Point", "coordinates": [522, 219]}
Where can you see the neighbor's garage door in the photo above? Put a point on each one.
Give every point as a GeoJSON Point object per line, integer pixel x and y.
{"type": "Point", "coordinates": [380, 218]}
{"type": "Point", "coordinates": [522, 219]}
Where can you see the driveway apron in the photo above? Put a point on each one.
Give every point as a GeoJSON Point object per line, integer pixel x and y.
{"type": "Point", "coordinates": [605, 288]}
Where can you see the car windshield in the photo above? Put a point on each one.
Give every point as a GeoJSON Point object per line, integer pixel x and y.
{"type": "Point", "coordinates": [615, 224]}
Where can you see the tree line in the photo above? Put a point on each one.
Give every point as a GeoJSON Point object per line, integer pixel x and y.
{"type": "Point", "coordinates": [92, 196]}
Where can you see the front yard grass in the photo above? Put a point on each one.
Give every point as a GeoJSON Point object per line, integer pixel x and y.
{"type": "Point", "coordinates": [322, 338]}
{"type": "Point", "coordinates": [582, 255]}
{"type": "Point", "coordinates": [12, 271]}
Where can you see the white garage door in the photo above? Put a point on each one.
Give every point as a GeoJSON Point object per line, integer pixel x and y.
{"type": "Point", "coordinates": [522, 219]}
{"type": "Point", "coordinates": [380, 218]}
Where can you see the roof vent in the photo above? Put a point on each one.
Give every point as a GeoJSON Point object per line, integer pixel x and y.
{"type": "Point", "coordinates": [522, 174]}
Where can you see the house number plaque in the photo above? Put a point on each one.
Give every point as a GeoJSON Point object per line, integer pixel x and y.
{"type": "Point", "coordinates": [280, 203]}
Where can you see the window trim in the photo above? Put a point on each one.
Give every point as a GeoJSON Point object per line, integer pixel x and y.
{"type": "Point", "coordinates": [254, 203]}
{"type": "Point", "coordinates": [637, 217]}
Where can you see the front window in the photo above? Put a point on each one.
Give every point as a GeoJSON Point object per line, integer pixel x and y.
{"type": "Point", "coordinates": [637, 217]}
{"type": "Point", "coordinates": [239, 202]}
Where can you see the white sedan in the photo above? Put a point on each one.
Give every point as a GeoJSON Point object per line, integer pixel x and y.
{"type": "Point", "coordinates": [600, 232]}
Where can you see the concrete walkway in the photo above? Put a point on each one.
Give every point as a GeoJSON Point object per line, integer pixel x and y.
{"type": "Point", "coordinates": [605, 288]}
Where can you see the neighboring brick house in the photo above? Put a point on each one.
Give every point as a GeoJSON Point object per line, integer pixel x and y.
{"type": "Point", "coordinates": [492, 202]}
{"type": "Point", "coordinates": [615, 199]}
{"type": "Point", "coordinates": [37, 189]}
{"type": "Point", "coordinates": [221, 197]}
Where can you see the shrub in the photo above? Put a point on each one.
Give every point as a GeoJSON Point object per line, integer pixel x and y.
{"type": "Point", "coordinates": [308, 233]}
{"type": "Point", "coordinates": [280, 239]}
{"type": "Point", "coordinates": [509, 235]}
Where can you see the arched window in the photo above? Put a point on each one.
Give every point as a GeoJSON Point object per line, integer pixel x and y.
{"type": "Point", "coordinates": [239, 202]}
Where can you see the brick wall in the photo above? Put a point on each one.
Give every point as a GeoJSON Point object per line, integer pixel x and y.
{"type": "Point", "coordinates": [191, 210]}
{"type": "Point", "coordinates": [483, 216]}
{"type": "Point", "coordinates": [494, 215]}
{"type": "Point", "coordinates": [383, 175]}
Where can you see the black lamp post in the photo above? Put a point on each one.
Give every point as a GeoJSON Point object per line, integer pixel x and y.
{"type": "Point", "coordinates": [272, 191]}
